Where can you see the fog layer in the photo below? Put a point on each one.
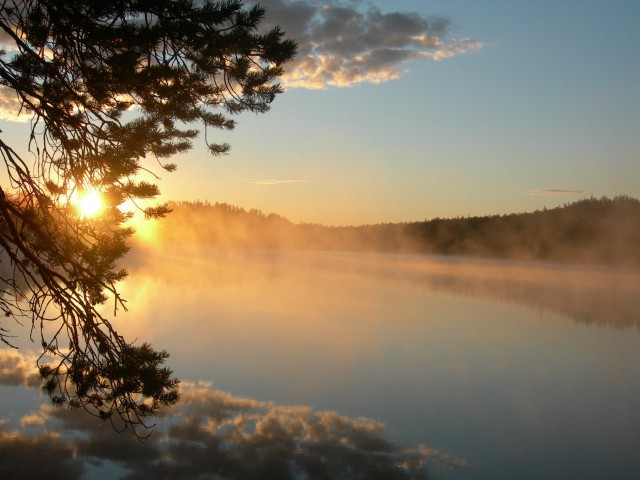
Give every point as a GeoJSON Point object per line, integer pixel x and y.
{"type": "Point", "coordinates": [596, 231]}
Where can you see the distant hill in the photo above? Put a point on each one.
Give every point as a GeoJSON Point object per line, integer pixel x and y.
{"type": "Point", "coordinates": [602, 231]}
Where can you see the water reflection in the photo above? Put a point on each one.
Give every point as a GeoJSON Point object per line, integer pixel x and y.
{"type": "Point", "coordinates": [592, 295]}
{"type": "Point", "coordinates": [514, 386]}
{"type": "Point", "coordinates": [208, 433]}
{"type": "Point", "coordinates": [510, 385]}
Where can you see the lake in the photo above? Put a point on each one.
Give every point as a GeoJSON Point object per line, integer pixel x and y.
{"type": "Point", "coordinates": [345, 365]}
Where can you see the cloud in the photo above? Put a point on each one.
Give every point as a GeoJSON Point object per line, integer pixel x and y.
{"type": "Point", "coordinates": [9, 102]}
{"type": "Point", "coordinates": [550, 192]}
{"type": "Point", "coordinates": [38, 456]}
{"type": "Point", "coordinates": [31, 420]}
{"type": "Point", "coordinates": [242, 438]}
{"type": "Point", "coordinates": [10, 106]}
{"type": "Point", "coordinates": [275, 182]}
{"type": "Point", "coordinates": [16, 369]}
{"type": "Point", "coordinates": [340, 44]}
{"type": "Point", "coordinates": [346, 43]}
{"type": "Point", "coordinates": [211, 433]}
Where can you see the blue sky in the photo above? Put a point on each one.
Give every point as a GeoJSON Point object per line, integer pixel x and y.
{"type": "Point", "coordinates": [545, 112]}
{"type": "Point", "coordinates": [493, 107]}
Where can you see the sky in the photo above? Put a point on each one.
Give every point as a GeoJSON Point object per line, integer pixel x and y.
{"type": "Point", "coordinates": [406, 110]}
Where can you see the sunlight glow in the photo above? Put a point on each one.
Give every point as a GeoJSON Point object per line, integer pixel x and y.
{"type": "Point", "coordinates": [145, 229]}
{"type": "Point", "coordinates": [90, 204]}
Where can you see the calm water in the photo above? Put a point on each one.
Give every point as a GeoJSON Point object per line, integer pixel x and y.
{"type": "Point", "coordinates": [507, 370]}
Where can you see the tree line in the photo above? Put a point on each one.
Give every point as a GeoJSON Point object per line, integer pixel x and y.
{"type": "Point", "coordinates": [593, 230]}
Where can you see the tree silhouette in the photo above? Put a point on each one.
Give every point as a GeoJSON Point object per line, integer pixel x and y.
{"type": "Point", "coordinates": [111, 88]}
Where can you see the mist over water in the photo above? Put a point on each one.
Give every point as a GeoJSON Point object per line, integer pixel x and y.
{"type": "Point", "coordinates": [498, 369]}
{"type": "Point", "coordinates": [584, 293]}
{"type": "Point", "coordinates": [514, 367]}
{"type": "Point", "coordinates": [593, 231]}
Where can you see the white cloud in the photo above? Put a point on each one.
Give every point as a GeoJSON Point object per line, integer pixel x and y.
{"type": "Point", "coordinates": [346, 43]}
{"type": "Point", "coordinates": [340, 44]}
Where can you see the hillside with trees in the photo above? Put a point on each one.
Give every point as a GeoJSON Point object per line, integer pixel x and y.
{"type": "Point", "coordinates": [600, 231]}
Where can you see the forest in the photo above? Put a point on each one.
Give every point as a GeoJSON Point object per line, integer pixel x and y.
{"type": "Point", "coordinates": [594, 230]}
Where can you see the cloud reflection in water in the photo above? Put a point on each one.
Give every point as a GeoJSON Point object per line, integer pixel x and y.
{"type": "Point", "coordinates": [209, 433]}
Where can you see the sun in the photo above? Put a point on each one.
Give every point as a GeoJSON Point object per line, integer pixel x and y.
{"type": "Point", "coordinates": [90, 204]}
